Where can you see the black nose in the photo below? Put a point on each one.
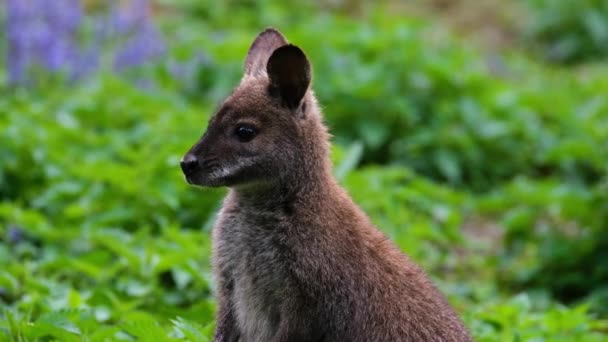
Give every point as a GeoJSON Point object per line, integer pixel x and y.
{"type": "Point", "coordinates": [189, 163]}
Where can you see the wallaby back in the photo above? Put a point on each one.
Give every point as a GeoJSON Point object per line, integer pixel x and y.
{"type": "Point", "coordinates": [294, 258]}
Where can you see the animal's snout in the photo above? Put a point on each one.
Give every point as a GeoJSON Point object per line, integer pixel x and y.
{"type": "Point", "coordinates": [189, 163]}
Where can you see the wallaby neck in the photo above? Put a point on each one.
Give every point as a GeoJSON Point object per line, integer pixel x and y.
{"type": "Point", "coordinates": [308, 188]}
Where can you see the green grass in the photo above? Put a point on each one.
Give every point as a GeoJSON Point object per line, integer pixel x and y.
{"type": "Point", "coordinates": [494, 180]}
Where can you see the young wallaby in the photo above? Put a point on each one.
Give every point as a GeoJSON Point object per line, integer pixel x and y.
{"type": "Point", "coordinates": [294, 258]}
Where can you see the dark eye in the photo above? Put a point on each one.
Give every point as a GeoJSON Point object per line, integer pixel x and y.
{"type": "Point", "coordinates": [245, 132]}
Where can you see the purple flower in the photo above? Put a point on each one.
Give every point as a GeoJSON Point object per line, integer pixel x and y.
{"type": "Point", "coordinates": [18, 12]}
{"type": "Point", "coordinates": [187, 70]}
{"type": "Point", "coordinates": [142, 46]}
{"type": "Point", "coordinates": [41, 32]}
{"type": "Point", "coordinates": [86, 63]}
{"type": "Point", "coordinates": [59, 48]}
{"type": "Point", "coordinates": [45, 34]}
{"type": "Point", "coordinates": [64, 15]}
{"type": "Point", "coordinates": [144, 41]}
{"type": "Point", "coordinates": [126, 20]}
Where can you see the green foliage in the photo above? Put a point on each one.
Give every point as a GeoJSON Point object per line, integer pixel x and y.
{"type": "Point", "coordinates": [92, 214]}
{"type": "Point", "coordinates": [489, 171]}
{"type": "Point", "coordinates": [79, 325]}
{"type": "Point", "coordinates": [555, 238]}
{"type": "Point", "coordinates": [553, 323]}
{"type": "Point", "coordinates": [569, 31]}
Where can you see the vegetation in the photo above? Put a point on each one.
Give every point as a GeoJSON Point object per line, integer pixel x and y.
{"type": "Point", "coordinates": [570, 32]}
{"type": "Point", "coordinates": [488, 168]}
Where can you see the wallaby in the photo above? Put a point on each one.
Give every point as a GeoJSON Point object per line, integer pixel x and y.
{"type": "Point", "coordinates": [294, 258]}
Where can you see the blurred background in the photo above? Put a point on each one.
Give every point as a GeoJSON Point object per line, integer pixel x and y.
{"type": "Point", "coordinates": [474, 133]}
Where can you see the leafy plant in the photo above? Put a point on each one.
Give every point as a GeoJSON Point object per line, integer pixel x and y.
{"type": "Point", "coordinates": [569, 32]}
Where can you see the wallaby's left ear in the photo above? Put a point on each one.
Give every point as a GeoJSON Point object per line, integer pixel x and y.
{"type": "Point", "coordinates": [261, 49]}
{"type": "Point", "coordinates": [289, 73]}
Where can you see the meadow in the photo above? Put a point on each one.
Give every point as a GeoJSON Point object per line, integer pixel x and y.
{"type": "Point", "coordinates": [475, 137]}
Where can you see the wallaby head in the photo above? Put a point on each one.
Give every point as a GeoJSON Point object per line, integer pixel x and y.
{"type": "Point", "coordinates": [269, 130]}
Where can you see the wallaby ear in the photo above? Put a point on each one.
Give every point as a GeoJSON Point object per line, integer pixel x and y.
{"type": "Point", "coordinates": [289, 73]}
{"type": "Point", "coordinates": [261, 49]}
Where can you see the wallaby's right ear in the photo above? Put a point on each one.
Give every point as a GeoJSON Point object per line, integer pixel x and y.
{"type": "Point", "coordinates": [262, 47]}
{"type": "Point", "coordinates": [289, 73]}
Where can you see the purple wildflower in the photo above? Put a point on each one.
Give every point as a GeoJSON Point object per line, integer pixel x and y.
{"type": "Point", "coordinates": [41, 32]}
{"type": "Point", "coordinates": [142, 46]}
{"type": "Point", "coordinates": [18, 12]}
{"type": "Point", "coordinates": [45, 33]}
{"type": "Point", "coordinates": [14, 234]}
{"type": "Point", "coordinates": [188, 69]}
{"type": "Point", "coordinates": [144, 42]}
{"type": "Point", "coordinates": [125, 20]}
{"type": "Point", "coordinates": [86, 63]}
{"type": "Point", "coordinates": [59, 48]}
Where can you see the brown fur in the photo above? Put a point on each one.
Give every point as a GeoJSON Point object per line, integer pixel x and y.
{"type": "Point", "coordinates": [295, 259]}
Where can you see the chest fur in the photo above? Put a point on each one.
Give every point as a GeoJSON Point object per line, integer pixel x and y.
{"type": "Point", "coordinates": [252, 255]}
